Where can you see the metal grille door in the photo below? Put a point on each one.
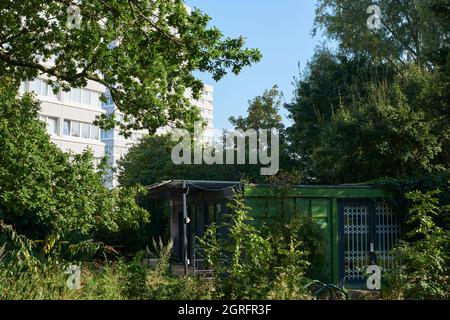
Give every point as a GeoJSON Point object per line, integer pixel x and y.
{"type": "Point", "coordinates": [387, 233]}
{"type": "Point", "coordinates": [356, 241]}
{"type": "Point", "coordinates": [369, 230]}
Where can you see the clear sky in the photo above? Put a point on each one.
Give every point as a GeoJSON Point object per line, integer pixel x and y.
{"type": "Point", "coordinates": [281, 29]}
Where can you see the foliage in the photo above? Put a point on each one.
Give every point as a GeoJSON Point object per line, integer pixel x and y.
{"type": "Point", "coordinates": [49, 195]}
{"type": "Point", "coordinates": [144, 52]}
{"type": "Point", "coordinates": [163, 285]}
{"type": "Point", "coordinates": [292, 260]}
{"type": "Point", "coordinates": [380, 102]}
{"type": "Point", "coordinates": [119, 280]}
{"type": "Point", "coordinates": [381, 135]}
{"type": "Point", "coordinates": [399, 187]}
{"type": "Point", "coordinates": [262, 113]}
{"type": "Point", "coordinates": [305, 231]}
{"type": "Point", "coordinates": [250, 266]}
{"type": "Point", "coordinates": [414, 31]}
{"type": "Point", "coordinates": [150, 162]}
{"type": "Point", "coordinates": [422, 268]}
{"type": "Point", "coordinates": [330, 80]}
{"type": "Point", "coordinates": [388, 129]}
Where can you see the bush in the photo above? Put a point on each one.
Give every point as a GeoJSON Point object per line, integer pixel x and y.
{"type": "Point", "coordinates": [423, 262]}
{"type": "Point", "coordinates": [48, 195]}
{"type": "Point", "coordinates": [306, 231]}
{"type": "Point", "coordinates": [250, 266]}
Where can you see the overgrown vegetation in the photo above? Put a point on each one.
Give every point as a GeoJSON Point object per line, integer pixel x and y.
{"type": "Point", "coordinates": [52, 198]}
{"type": "Point", "coordinates": [375, 109]}
{"type": "Point", "coordinates": [248, 265]}
{"type": "Point", "coordinates": [422, 268]}
{"type": "Point", "coordinates": [119, 280]}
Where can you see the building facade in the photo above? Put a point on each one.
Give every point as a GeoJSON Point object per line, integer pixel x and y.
{"type": "Point", "coordinates": [70, 115]}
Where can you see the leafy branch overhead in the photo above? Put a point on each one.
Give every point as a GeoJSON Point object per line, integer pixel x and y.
{"type": "Point", "coordinates": [144, 52]}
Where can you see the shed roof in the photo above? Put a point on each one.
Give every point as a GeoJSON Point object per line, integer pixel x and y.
{"type": "Point", "coordinates": [176, 186]}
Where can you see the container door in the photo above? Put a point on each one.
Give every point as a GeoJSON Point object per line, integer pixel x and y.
{"type": "Point", "coordinates": [368, 231]}
{"type": "Point", "coordinates": [387, 232]}
{"type": "Point", "coordinates": [357, 239]}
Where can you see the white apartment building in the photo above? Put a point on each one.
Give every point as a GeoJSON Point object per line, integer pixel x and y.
{"type": "Point", "coordinates": [117, 146]}
{"type": "Point", "coordinates": [70, 115]}
{"type": "Point", "coordinates": [206, 106]}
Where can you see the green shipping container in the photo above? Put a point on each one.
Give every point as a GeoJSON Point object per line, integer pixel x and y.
{"type": "Point", "coordinates": [356, 226]}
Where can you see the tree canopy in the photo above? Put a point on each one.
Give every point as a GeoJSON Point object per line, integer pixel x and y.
{"type": "Point", "coordinates": [414, 31]}
{"type": "Point", "coordinates": [150, 162]}
{"type": "Point", "coordinates": [144, 52]}
{"type": "Point", "coordinates": [378, 105]}
{"type": "Point", "coordinates": [262, 113]}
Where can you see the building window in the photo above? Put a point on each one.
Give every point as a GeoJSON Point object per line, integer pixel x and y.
{"type": "Point", "coordinates": [95, 132]}
{"type": "Point", "coordinates": [95, 99]}
{"type": "Point", "coordinates": [74, 129]}
{"type": "Point", "coordinates": [51, 124]}
{"type": "Point", "coordinates": [39, 87]}
{"type": "Point", "coordinates": [66, 128]}
{"type": "Point", "coordinates": [85, 130]}
{"type": "Point", "coordinates": [86, 96]}
{"type": "Point", "coordinates": [76, 95]}
{"type": "Point", "coordinates": [81, 129]}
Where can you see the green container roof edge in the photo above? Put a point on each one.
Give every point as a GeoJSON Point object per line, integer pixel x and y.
{"type": "Point", "coordinates": [340, 191]}
{"type": "Point", "coordinates": [271, 190]}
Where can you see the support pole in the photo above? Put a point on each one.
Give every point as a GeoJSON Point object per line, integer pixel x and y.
{"type": "Point", "coordinates": [185, 221]}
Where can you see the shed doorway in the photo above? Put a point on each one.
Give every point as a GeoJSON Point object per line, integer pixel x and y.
{"type": "Point", "coordinates": [368, 231]}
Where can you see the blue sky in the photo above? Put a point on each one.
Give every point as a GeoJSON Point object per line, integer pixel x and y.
{"type": "Point", "coordinates": [281, 29]}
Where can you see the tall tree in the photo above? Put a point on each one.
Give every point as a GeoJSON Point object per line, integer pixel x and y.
{"type": "Point", "coordinates": [150, 162]}
{"type": "Point", "coordinates": [144, 52]}
{"type": "Point", "coordinates": [331, 80]}
{"type": "Point", "coordinates": [381, 135]}
{"type": "Point", "coordinates": [379, 105]}
{"type": "Point", "coordinates": [262, 113]}
{"type": "Point", "coordinates": [410, 30]}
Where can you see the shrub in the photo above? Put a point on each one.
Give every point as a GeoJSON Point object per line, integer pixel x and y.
{"type": "Point", "coordinates": [423, 262]}
{"type": "Point", "coordinates": [248, 265]}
